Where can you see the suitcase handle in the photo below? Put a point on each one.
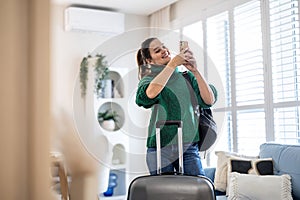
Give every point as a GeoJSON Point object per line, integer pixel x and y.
{"type": "Point", "coordinates": [169, 122]}
{"type": "Point", "coordinates": [180, 143]}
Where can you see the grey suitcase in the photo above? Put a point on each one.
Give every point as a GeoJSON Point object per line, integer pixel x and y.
{"type": "Point", "coordinates": [171, 186]}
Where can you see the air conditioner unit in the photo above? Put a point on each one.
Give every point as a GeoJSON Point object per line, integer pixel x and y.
{"type": "Point", "coordinates": [94, 20]}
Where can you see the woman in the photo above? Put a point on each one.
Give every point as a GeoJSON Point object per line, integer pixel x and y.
{"type": "Point", "coordinates": [164, 87]}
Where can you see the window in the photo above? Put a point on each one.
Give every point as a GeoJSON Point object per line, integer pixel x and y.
{"type": "Point", "coordinates": [255, 47]}
{"type": "Point", "coordinates": [218, 48]}
{"type": "Point", "coordinates": [249, 77]}
{"type": "Point", "coordinates": [285, 54]}
{"type": "Point", "coordinates": [194, 32]}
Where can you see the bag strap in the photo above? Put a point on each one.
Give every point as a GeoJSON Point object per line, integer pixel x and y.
{"type": "Point", "coordinates": [194, 101]}
{"type": "Point", "coordinates": [197, 109]}
{"type": "Point", "coordinates": [155, 110]}
{"type": "Point", "coordinates": [189, 84]}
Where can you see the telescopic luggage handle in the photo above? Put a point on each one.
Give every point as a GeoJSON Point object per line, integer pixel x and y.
{"type": "Point", "coordinates": [180, 143]}
{"type": "Point", "coordinates": [169, 122]}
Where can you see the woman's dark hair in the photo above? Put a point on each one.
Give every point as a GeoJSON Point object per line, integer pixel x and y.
{"type": "Point", "coordinates": [142, 55]}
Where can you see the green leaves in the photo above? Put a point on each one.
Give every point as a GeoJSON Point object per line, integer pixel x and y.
{"type": "Point", "coordinates": [101, 71]}
{"type": "Point", "coordinates": [83, 75]}
{"type": "Point", "coordinates": [107, 115]}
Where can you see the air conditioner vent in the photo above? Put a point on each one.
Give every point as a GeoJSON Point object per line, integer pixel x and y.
{"type": "Point", "coordinates": [94, 20]}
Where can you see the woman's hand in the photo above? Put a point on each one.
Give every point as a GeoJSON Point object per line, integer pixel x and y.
{"type": "Point", "coordinates": [159, 82]}
{"type": "Point", "coordinates": [190, 63]}
{"type": "Point", "coordinates": [206, 92]}
{"type": "Point", "coordinates": [177, 60]}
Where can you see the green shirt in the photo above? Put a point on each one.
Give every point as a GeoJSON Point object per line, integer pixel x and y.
{"type": "Point", "coordinates": [174, 103]}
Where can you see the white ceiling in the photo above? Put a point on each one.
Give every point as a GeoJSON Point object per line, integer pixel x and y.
{"type": "Point", "coordinates": [139, 7]}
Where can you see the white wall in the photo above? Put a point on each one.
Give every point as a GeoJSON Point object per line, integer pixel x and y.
{"type": "Point", "coordinates": [67, 51]}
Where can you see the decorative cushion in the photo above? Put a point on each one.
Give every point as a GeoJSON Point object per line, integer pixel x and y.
{"type": "Point", "coordinates": [220, 179]}
{"type": "Point", "coordinates": [249, 166]}
{"type": "Point", "coordinates": [249, 186]}
{"type": "Point", "coordinates": [254, 166]}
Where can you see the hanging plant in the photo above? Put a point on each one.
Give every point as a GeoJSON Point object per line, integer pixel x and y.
{"type": "Point", "coordinates": [84, 75]}
{"type": "Point", "coordinates": [101, 71]}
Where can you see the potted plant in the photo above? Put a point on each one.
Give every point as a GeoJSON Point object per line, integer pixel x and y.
{"type": "Point", "coordinates": [108, 119]}
{"type": "Point", "coordinates": [101, 71]}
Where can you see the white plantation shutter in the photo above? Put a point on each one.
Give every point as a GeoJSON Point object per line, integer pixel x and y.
{"type": "Point", "coordinates": [249, 71]}
{"type": "Point", "coordinates": [284, 21]}
{"type": "Point", "coordinates": [285, 54]}
{"type": "Point", "coordinates": [218, 48]}
{"type": "Point", "coordinates": [287, 124]}
{"type": "Point", "coordinates": [250, 131]}
{"type": "Point", "coordinates": [255, 45]}
{"type": "Point", "coordinates": [249, 78]}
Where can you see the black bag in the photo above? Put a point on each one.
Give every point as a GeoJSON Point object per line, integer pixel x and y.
{"type": "Point", "coordinates": [207, 126]}
{"type": "Point", "coordinates": [207, 129]}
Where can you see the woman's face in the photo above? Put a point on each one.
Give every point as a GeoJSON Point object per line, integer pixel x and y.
{"type": "Point", "coordinates": [160, 55]}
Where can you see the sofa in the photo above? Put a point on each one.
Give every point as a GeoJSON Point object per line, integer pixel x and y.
{"type": "Point", "coordinates": [285, 159]}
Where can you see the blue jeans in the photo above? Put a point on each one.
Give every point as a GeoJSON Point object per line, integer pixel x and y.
{"type": "Point", "coordinates": [169, 159]}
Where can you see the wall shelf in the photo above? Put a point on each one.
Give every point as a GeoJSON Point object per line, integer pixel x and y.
{"type": "Point", "coordinates": [117, 138]}
{"type": "Point", "coordinates": [112, 107]}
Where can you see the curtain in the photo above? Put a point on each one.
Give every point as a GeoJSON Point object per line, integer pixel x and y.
{"type": "Point", "coordinates": [160, 21]}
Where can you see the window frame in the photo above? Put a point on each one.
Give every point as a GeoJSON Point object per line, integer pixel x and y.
{"type": "Point", "coordinates": [269, 105]}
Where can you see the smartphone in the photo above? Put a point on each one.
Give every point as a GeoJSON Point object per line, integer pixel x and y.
{"type": "Point", "coordinates": [183, 45]}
